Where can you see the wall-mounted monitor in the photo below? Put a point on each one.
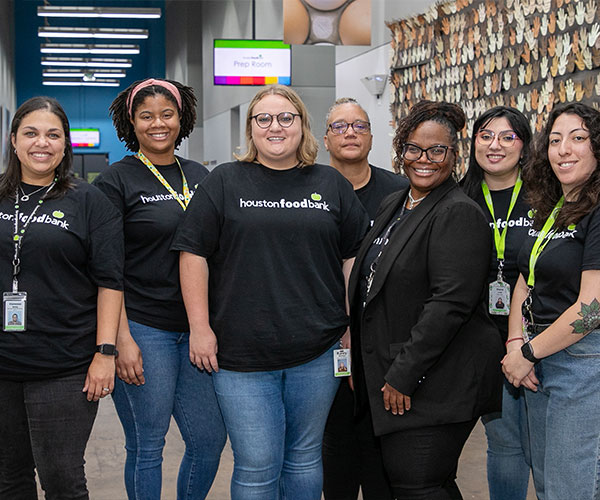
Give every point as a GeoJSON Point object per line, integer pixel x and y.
{"type": "Point", "coordinates": [85, 137]}
{"type": "Point", "coordinates": [252, 62]}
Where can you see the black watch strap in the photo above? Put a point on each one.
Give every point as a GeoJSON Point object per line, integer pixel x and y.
{"type": "Point", "coordinates": [528, 354]}
{"type": "Point", "coordinates": [107, 349]}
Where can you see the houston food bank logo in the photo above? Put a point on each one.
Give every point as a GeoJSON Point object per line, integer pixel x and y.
{"type": "Point", "coordinates": [315, 202]}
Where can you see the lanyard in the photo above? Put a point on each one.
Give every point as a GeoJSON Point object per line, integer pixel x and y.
{"type": "Point", "coordinates": [20, 233]}
{"type": "Point", "coordinates": [163, 181]}
{"type": "Point", "coordinates": [542, 240]}
{"type": "Point", "coordinates": [500, 239]}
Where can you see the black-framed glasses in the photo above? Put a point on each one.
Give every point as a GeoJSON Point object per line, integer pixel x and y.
{"type": "Point", "coordinates": [359, 127]}
{"type": "Point", "coordinates": [435, 154]}
{"type": "Point", "coordinates": [506, 138]}
{"type": "Point", "coordinates": [285, 119]}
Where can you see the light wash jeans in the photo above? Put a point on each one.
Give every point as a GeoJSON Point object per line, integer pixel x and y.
{"type": "Point", "coordinates": [275, 420]}
{"type": "Point", "coordinates": [173, 387]}
{"type": "Point", "coordinates": [508, 455]}
{"type": "Point", "coordinates": [564, 422]}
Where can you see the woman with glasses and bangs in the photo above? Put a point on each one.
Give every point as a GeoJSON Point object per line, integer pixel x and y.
{"type": "Point", "coordinates": [425, 353]}
{"type": "Point", "coordinates": [265, 248]}
{"type": "Point", "coordinates": [499, 148]}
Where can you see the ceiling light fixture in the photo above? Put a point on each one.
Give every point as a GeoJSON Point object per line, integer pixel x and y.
{"type": "Point", "coordinates": [105, 82]}
{"type": "Point", "coordinates": [108, 12]}
{"type": "Point", "coordinates": [96, 73]}
{"type": "Point", "coordinates": [84, 62]}
{"type": "Point", "coordinates": [64, 32]}
{"type": "Point", "coordinates": [80, 48]}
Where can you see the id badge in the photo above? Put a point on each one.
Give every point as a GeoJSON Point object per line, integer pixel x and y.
{"type": "Point", "coordinates": [15, 311]}
{"type": "Point", "coordinates": [526, 336]}
{"type": "Point", "coordinates": [499, 303]}
{"type": "Point", "coordinates": [341, 363]}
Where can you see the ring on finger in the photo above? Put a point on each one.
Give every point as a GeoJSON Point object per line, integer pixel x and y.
{"type": "Point", "coordinates": [105, 389]}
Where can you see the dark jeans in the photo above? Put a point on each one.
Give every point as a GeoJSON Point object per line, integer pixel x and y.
{"type": "Point", "coordinates": [422, 463]}
{"type": "Point", "coordinates": [44, 425]}
{"type": "Point", "coordinates": [351, 453]}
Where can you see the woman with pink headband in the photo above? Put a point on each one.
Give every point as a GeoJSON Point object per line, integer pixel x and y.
{"type": "Point", "coordinates": [156, 380]}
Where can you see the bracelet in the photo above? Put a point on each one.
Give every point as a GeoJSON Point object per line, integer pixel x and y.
{"type": "Point", "coordinates": [512, 340]}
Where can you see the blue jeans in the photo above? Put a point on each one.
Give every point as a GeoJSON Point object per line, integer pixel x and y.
{"type": "Point", "coordinates": [508, 456]}
{"type": "Point", "coordinates": [173, 387]}
{"type": "Point", "coordinates": [44, 425]}
{"type": "Point", "coordinates": [275, 420]}
{"type": "Point", "coordinates": [564, 422]}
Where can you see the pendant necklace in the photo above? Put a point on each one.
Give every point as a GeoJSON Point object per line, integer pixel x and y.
{"type": "Point", "coordinates": [25, 197]}
{"type": "Point", "coordinates": [411, 201]}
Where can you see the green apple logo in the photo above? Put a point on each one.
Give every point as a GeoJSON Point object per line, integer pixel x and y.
{"type": "Point", "coordinates": [58, 214]}
{"type": "Point", "coordinates": [531, 213]}
{"type": "Point", "coordinates": [315, 197]}
{"type": "Point", "coordinates": [571, 227]}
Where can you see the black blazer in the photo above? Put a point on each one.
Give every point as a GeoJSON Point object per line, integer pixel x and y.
{"type": "Point", "coordinates": [424, 328]}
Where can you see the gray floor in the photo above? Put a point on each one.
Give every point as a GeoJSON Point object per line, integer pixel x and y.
{"type": "Point", "coordinates": [105, 457]}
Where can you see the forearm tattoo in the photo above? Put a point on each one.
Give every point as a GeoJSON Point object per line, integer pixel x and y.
{"type": "Point", "coordinates": [590, 318]}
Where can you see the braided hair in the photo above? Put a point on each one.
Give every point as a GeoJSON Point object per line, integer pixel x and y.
{"type": "Point", "coordinates": [121, 118]}
{"type": "Point", "coordinates": [449, 115]}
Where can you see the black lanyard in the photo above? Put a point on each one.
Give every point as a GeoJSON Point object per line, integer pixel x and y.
{"type": "Point", "coordinates": [20, 233]}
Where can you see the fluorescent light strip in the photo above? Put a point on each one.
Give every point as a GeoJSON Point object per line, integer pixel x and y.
{"type": "Point", "coordinates": [95, 73]}
{"type": "Point", "coordinates": [107, 12]}
{"type": "Point", "coordinates": [64, 32]}
{"type": "Point", "coordinates": [81, 83]}
{"type": "Point", "coordinates": [77, 48]}
{"type": "Point", "coordinates": [82, 62]}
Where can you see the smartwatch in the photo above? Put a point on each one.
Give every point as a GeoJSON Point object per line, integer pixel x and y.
{"type": "Point", "coordinates": [107, 349]}
{"type": "Point", "coordinates": [528, 354]}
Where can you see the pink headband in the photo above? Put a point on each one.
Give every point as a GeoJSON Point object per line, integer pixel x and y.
{"type": "Point", "coordinates": [151, 81]}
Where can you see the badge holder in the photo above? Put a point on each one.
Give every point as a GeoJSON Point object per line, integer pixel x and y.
{"type": "Point", "coordinates": [499, 295]}
{"type": "Point", "coordinates": [15, 311]}
{"type": "Point", "coordinates": [341, 363]}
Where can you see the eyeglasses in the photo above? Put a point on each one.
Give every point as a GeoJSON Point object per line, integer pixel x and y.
{"type": "Point", "coordinates": [506, 138]}
{"type": "Point", "coordinates": [359, 127]}
{"type": "Point", "coordinates": [435, 154]}
{"type": "Point", "coordinates": [285, 119]}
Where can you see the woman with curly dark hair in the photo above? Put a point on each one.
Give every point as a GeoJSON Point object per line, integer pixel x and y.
{"type": "Point", "coordinates": [425, 353]}
{"type": "Point", "coordinates": [555, 311]}
{"type": "Point", "coordinates": [500, 146]}
{"type": "Point", "coordinates": [156, 380]}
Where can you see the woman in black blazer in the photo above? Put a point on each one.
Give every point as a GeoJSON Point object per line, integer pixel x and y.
{"type": "Point", "coordinates": [426, 356]}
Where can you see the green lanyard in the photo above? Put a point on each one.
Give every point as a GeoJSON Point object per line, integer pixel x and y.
{"type": "Point", "coordinates": [163, 181]}
{"type": "Point", "coordinates": [500, 239]}
{"type": "Point", "coordinates": [542, 240]}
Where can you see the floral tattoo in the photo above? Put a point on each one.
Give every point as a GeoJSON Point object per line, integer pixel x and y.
{"type": "Point", "coordinates": [590, 318]}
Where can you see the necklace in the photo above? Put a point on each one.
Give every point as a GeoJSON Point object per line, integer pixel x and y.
{"type": "Point", "coordinates": [411, 201]}
{"type": "Point", "coordinates": [25, 197]}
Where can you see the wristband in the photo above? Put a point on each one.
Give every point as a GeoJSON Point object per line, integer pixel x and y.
{"type": "Point", "coordinates": [512, 340]}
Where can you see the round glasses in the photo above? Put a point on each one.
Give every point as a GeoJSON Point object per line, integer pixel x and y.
{"type": "Point", "coordinates": [359, 127]}
{"type": "Point", "coordinates": [506, 139]}
{"type": "Point", "coordinates": [285, 119]}
{"type": "Point", "coordinates": [435, 154]}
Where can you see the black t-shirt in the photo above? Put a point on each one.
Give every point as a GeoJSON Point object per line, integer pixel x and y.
{"type": "Point", "coordinates": [150, 217]}
{"type": "Point", "coordinates": [274, 241]}
{"type": "Point", "coordinates": [558, 269]}
{"type": "Point", "coordinates": [381, 183]}
{"type": "Point", "coordinates": [519, 224]}
{"type": "Point", "coordinates": [71, 247]}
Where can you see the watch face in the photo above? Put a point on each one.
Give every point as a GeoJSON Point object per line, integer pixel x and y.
{"type": "Point", "coordinates": [108, 349]}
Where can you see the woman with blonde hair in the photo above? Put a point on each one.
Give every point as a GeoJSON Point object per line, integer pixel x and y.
{"type": "Point", "coordinates": [266, 245]}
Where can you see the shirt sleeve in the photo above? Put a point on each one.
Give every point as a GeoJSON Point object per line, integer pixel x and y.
{"type": "Point", "coordinates": [355, 221]}
{"type": "Point", "coordinates": [591, 248]}
{"type": "Point", "coordinates": [105, 241]}
{"type": "Point", "coordinates": [200, 228]}
{"type": "Point", "coordinates": [110, 184]}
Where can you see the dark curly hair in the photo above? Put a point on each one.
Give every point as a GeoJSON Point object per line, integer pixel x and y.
{"type": "Point", "coordinates": [544, 189]}
{"type": "Point", "coordinates": [471, 182]}
{"type": "Point", "coordinates": [449, 115]}
{"type": "Point", "coordinates": [11, 178]}
{"type": "Point", "coordinates": [120, 113]}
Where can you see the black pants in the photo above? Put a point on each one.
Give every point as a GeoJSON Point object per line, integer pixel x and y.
{"type": "Point", "coordinates": [422, 463]}
{"type": "Point", "coordinates": [44, 425]}
{"type": "Point", "coordinates": [352, 453]}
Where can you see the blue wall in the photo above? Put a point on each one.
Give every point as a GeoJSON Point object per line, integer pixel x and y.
{"type": "Point", "coordinates": [86, 107]}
